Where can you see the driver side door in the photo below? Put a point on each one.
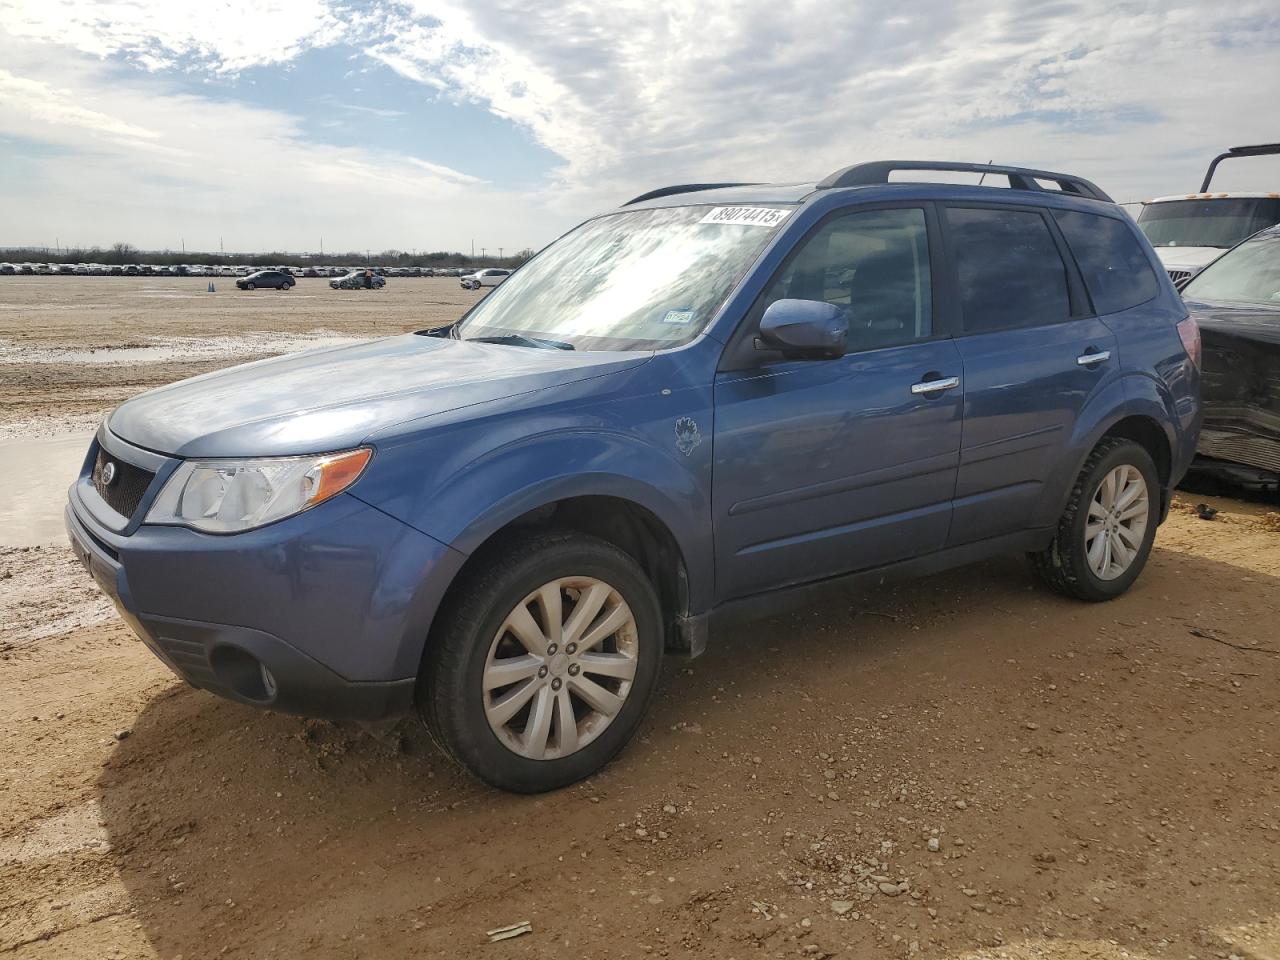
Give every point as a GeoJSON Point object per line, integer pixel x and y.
{"type": "Point", "coordinates": [825, 467]}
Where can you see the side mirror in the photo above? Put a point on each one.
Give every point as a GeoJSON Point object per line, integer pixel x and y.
{"type": "Point", "coordinates": [805, 329]}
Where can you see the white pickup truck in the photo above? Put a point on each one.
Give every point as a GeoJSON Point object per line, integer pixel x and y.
{"type": "Point", "coordinates": [1189, 231]}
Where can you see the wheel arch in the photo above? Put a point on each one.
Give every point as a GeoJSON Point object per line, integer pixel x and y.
{"type": "Point", "coordinates": [1141, 419]}
{"type": "Point", "coordinates": [624, 521]}
{"type": "Point", "coordinates": [1146, 432]}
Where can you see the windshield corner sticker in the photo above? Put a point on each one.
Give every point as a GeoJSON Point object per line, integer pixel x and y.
{"type": "Point", "coordinates": [678, 316]}
{"type": "Point", "coordinates": [687, 435]}
{"type": "Point", "coordinates": [746, 216]}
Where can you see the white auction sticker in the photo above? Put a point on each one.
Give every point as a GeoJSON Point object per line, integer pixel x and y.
{"type": "Point", "coordinates": [747, 216]}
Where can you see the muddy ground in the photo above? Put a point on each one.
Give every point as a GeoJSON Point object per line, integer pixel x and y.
{"type": "Point", "coordinates": [1100, 780]}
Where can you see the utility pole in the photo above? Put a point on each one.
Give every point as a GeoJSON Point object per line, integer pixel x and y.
{"type": "Point", "coordinates": [499, 253]}
{"type": "Point", "coordinates": [482, 249]}
{"type": "Point", "coordinates": [184, 245]}
{"type": "Point", "coordinates": [473, 246]}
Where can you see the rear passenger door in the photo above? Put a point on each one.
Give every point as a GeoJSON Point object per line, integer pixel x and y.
{"type": "Point", "coordinates": [1033, 353]}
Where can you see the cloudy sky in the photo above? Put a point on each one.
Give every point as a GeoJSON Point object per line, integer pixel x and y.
{"type": "Point", "coordinates": [431, 124]}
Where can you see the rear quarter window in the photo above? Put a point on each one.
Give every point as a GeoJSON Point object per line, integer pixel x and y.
{"type": "Point", "coordinates": [1115, 268]}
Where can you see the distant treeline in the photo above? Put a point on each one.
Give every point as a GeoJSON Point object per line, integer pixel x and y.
{"type": "Point", "coordinates": [124, 253]}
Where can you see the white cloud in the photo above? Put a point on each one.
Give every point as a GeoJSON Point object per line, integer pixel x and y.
{"type": "Point", "coordinates": [43, 103]}
{"type": "Point", "coordinates": [223, 35]}
{"type": "Point", "coordinates": [139, 160]}
{"type": "Point", "coordinates": [637, 93]}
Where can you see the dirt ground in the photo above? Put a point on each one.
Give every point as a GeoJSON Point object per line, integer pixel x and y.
{"type": "Point", "coordinates": [69, 345]}
{"type": "Point", "coordinates": [962, 766]}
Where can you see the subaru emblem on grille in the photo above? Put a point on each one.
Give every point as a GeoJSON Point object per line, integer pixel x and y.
{"type": "Point", "coordinates": [108, 473]}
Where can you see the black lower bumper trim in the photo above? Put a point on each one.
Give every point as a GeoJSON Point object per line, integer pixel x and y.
{"type": "Point", "coordinates": [225, 660]}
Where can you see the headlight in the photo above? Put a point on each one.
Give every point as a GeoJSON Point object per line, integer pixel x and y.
{"type": "Point", "coordinates": [227, 496]}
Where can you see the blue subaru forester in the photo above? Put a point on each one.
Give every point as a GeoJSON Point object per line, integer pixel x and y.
{"type": "Point", "coordinates": [701, 405]}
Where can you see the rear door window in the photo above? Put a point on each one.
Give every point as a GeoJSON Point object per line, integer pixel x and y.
{"type": "Point", "coordinates": [1115, 267]}
{"type": "Point", "coordinates": [1009, 269]}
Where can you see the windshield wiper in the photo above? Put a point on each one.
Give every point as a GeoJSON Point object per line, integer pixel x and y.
{"type": "Point", "coordinates": [520, 340]}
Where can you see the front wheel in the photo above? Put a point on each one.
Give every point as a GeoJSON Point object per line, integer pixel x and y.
{"type": "Point", "coordinates": [1106, 532]}
{"type": "Point", "coordinates": [250, 286]}
{"type": "Point", "coordinates": [544, 662]}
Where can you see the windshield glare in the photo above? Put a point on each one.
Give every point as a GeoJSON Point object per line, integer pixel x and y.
{"type": "Point", "coordinates": [642, 279]}
{"type": "Point", "coordinates": [1251, 272]}
{"type": "Point", "coordinates": [1207, 223]}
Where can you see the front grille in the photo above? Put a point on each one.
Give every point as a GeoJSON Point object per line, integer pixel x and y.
{"type": "Point", "coordinates": [126, 489]}
{"type": "Point", "coordinates": [1253, 451]}
{"type": "Point", "coordinates": [1179, 277]}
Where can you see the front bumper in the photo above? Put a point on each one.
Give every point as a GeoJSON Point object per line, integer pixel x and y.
{"type": "Point", "coordinates": [324, 614]}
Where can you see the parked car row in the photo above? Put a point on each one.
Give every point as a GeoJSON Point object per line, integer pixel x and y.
{"type": "Point", "coordinates": [201, 270]}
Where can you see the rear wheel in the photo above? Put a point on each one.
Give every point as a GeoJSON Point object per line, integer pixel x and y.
{"type": "Point", "coordinates": [544, 662]}
{"type": "Point", "coordinates": [1106, 532]}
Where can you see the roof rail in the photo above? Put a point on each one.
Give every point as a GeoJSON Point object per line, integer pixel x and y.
{"type": "Point", "coordinates": [684, 188]}
{"type": "Point", "coordinates": [1020, 178]}
{"type": "Point", "coordinates": [1257, 150]}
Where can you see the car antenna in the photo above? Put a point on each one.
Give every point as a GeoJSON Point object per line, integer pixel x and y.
{"type": "Point", "coordinates": [984, 173]}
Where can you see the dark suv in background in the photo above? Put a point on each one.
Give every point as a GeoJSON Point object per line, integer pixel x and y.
{"type": "Point", "coordinates": [699, 406]}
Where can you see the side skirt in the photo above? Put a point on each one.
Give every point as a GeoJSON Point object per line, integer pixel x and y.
{"type": "Point", "coordinates": [788, 598]}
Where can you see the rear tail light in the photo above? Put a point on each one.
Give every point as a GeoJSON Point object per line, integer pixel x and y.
{"type": "Point", "coordinates": [1190, 334]}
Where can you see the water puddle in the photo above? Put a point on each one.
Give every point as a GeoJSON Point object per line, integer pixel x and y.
{"type": "Point", "coordinates": [37, 474]}
{"type": "Point", "coordinates": [178, 349]}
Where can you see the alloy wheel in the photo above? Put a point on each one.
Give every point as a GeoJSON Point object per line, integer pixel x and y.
{"type": "Point", "coordinates": [1117, 522]}
{"type": "Point", "coordinates": [560, 668]}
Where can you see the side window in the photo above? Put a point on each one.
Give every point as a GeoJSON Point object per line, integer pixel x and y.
{"type": "Point", "coordinates": [1010, 271]}
{"type": "Point", "coordinates": [875, 265]}
{"type": "Point", "coordinates": [1115, 267]}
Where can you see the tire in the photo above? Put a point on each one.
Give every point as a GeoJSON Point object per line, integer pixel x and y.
{"type": "Point", "coordinates": [471, 637]}
{"type": "Point", "coordinates": [250, 286]}
{"type": "Point", "coordinates": [1067, 565]}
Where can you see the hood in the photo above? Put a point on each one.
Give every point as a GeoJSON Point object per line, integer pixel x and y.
{"type": "Point", "coordinates": [1254, 321]}
{"type": "Point", "coordinates": [1188, 258]}
{"type": "Point", "coordinates": [334, 398]}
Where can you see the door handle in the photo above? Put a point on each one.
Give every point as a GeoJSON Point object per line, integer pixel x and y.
{"type": "Point", "coordinates": [1089, 359]}
{"type": "Point", "coordinates": [927, 387]}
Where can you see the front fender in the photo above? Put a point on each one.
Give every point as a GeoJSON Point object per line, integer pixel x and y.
{"type": "Point", "coordinates": [464, 482]}
{"type": "Point", "coordinates": [574, 465]}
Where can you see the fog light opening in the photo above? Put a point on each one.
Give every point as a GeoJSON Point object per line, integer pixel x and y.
{"type": "Point", "coordinates": [243, 674]}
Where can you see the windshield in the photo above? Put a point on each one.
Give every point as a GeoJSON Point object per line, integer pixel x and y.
{"type": "Point", "coordinates": [1250, 272]}
{"type": "Point", "coordinates": [638, 280]}
{"type": "Point", "coordinates": [1207, 223]}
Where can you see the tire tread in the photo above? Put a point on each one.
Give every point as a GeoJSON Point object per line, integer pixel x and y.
{"type": "Point", "coordinates": [1062, 569]}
